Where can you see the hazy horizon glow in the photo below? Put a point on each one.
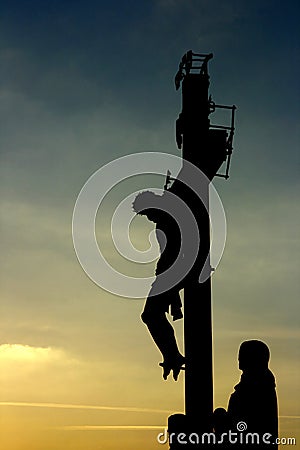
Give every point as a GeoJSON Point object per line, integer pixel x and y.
{"type": "Point", "coordinates": [87, 83]}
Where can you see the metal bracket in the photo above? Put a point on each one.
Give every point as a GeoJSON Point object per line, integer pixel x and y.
{"type": "Point", "coordinates": [192, 62]}
{"type": "Point", "coordinates": [230, 128]}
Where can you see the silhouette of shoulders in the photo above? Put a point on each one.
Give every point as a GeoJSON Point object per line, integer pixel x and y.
{"type": "Point", "coordinates": [254, 400]}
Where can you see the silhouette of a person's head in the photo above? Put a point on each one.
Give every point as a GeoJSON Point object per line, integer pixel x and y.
{"type": "Point", "coordinates": [253, 355]}
{"type": "Point", "coordinates": [254, 400]}
{"type": "Point", "coordinates": [148, 204]}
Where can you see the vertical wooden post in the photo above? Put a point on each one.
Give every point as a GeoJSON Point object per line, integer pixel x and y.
{"type": "Point", "coordinates": [197, 296]}
{"type": "Point", "coordinates": [207, 147]}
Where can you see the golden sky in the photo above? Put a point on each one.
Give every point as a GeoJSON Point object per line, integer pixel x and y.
{"type": "Point", "coordinates": [81, 86]}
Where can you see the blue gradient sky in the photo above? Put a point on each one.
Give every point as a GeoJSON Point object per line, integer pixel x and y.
{"type": "Point", "coordinates": [83, 83]}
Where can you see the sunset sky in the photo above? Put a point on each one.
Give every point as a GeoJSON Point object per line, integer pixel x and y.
{"type": "Point", "coordinates": [84, 83]}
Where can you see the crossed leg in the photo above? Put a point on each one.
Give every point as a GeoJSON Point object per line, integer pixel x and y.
{"type": "Point", "coordinates": [162, 332]}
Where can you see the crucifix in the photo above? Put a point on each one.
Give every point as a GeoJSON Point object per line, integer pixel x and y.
{"type": "Point", "coordinates": [208, 147]}
{"type": "Point", "coordinates": [205, 148]}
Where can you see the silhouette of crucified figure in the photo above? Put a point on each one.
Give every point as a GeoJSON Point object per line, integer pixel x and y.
{"type": "Point", "coordinates": [160, 301]}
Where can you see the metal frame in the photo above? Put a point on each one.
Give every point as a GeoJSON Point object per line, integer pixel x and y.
{"type": "Point", "coordinates": [186, 65]}
{"type": "Point", "coordinates": [231, 128]}
{"type": "Point", "coordinates": [197, 62]}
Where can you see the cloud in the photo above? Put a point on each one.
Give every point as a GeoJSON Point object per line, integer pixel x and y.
{"type": "Point", "coordinates": [89, 407]}
{"type": "Point", "coordinates": [25, 353]}
{"type": "Point", "coordinates": [26, 368]}
{"type": "Point", "coordinates": [18, 358]}
{"type": "Point", "coordinates": [111, 427]}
